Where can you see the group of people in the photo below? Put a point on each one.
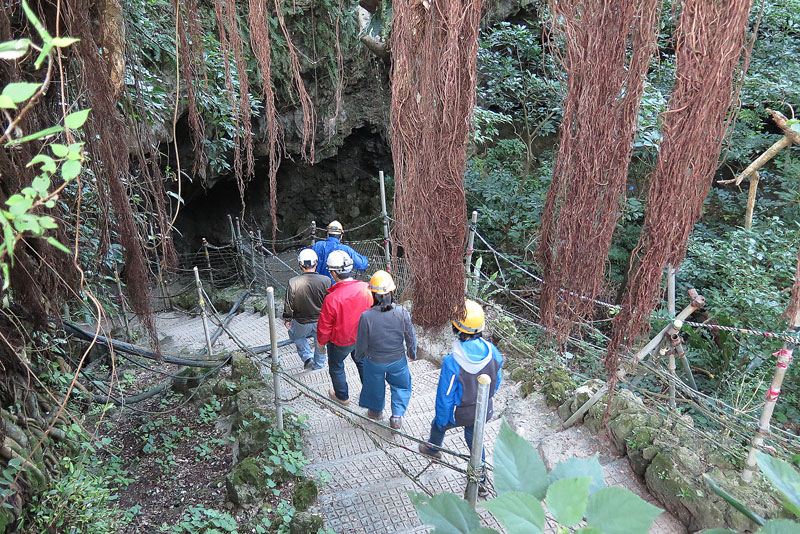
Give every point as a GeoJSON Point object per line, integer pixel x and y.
{"type": "Point", "coordinates": [348, 317]}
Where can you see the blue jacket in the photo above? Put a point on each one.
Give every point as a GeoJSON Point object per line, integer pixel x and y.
{"type": "Point", "coordinates": [323, 248]}
{"type": "Point", "coordinates": [471, 356]}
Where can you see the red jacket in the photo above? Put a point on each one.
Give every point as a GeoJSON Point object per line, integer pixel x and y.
{"type": "Point", "coordinates": [341, 310]}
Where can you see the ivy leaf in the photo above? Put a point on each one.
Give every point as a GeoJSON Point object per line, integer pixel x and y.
{"type": "Point", "coordinates": [567, 498]}
{"type": "Point", "coordinates": [604, 512]}
{"type": "Point", "coordinates": [75, 120]}
{"type": "Point", "coordinates": [62, 42]}
{"type": "Point", "coordinates": [518, 512]}
{"type": "Point", "coordinates": [780, 526]}
{"type": "Point", "coordinates": [59, 150]}
{"type": "Point", "coordinates": [14, 49]}
{"type": "Point", "coordinates": [20, 91]}
{"type": "Point", "coordinates": [48, 164]}
{"type": "Point", "coordinates": [784, 477]}
{"type": "Point", "coordinates": [7, 103]}
{"type": "Point", "coordinates": [446, 512]}
{"type": "Point", "coordinates": [579, 468]}
{"type": "Point", "coordinates": [70, 170]}
{"type": "Point", "coordinates": [38, 135]}
{"type": "Point", "coordinates": [517, 465]}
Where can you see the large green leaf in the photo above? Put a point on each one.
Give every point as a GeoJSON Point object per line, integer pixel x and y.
{"type": "Point", "coordinates": [483, 530]}
{"type": "Point", "coordinates": [784, 477]}
{"type": "Point", "coordinates": [719, 531]}
{"type": "Point", "coordinates": [567, 498]}
{"type": "Point", "coordinates": [517, 465]}
{"type": "Point", "coordinates": [14, 49]}
{"type": "Point", "coordinates": [446, 512]}
{"type": "Point", "coordinates": [578, 468]}
{"type": "Point", "coordinates": [75, 120]}
{"type": "Point", "coordinates": [20, 91]}
{"type": "Point", "coordinates": [518, 512]}
{"type": "Point", "coordinates": [605, 512]}
{"type": "Point", "coordinates": [780, 526]}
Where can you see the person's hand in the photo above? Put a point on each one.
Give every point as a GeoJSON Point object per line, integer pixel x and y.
{"type": "Point", "coordinates": [320, 348]}
{"type": "Point", "coordinates": [288, 324]}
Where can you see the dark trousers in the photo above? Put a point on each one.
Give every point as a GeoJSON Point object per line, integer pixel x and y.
{"type": "Point", "coordinates": [336, 358]}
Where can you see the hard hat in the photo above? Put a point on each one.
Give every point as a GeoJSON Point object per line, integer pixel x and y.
{"type": "Point", "coordinates": [471, 321]}
{"type": "Point", "coordinates": [335, 227]}
{"type": "Point", "coordinates": [307, 258]}
{"type": "Point", "coordinates": [339, 261]}
{"type": "Point", "coordinates": [381, 283]}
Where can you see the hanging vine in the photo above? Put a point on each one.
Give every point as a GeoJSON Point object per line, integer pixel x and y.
{"type": "Point", "coordinates": [607, 49]}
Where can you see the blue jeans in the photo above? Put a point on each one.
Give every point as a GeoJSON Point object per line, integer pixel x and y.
{"type": "Point", "coordinates": [336, 357]}
{"type": "Point", "coordinates": [373, 392]}
{"type": "Point", "coordinates": [437, 437]}
{"type": "Point", "coordinates": [299, 334]}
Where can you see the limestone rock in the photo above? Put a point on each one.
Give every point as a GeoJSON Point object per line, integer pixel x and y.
{"type": "Point", "coordinates": [243, 368]}
{"type": "Point", "coordinates": [305, 523]}
{"type": "Point", "coordinates": [247, 483]}
{"type": "Point", "coordinates": [189, 379]}
{"type": "Point", "coordinates": [253, 418]}
{"type": "Point", "coordinates": [556, 385]}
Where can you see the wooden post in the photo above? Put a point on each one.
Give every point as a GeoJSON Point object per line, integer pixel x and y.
{"type": "Point", "coordinates": [313, 232]}
{"type": "Point", "coordinates": [697, 302]}
{"type": "Point", "coordinates": [680, 353]}
{"type": "Point", "coordinates": [123, 307]}
{"type": "Point", "coordinates": [475, 468]}
{"type": "Point", "coordinates": [253, 253]}
{"type": "Point", "coordinates": [263, 258]}
{"type": "Point", "coordinates": [751, 200]}
{"type": "Point", "coordinates": [470, 244]}
{"type": "Point", "coordinates": [273, 340]}
{"type": "Point", "coordinates": [233, 230]}
{"type": "Point", "coordinates": [202, 303]}
{"type": "Point", "coordinates": [208, 262]}
{"type": "Point", "coordinates": [385, 216]}
{"type": "Point", "coordinates": [784, 360]}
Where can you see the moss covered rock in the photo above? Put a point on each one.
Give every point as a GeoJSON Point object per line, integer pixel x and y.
{"type": "Point", "coordinates": [557, 386]}
{"type": "Point", "coordinates": [305, 493]}
{"type": "Point", "coordinates": [243, 369]}
{"type": "Point", "coordinates": [305, 523]}
{"type": "Point", "coordinates": [189, 379]}
{"type": "Point", "coordinates": [254, 417]}
{"type": "Point", "coordinates": [247, 483]}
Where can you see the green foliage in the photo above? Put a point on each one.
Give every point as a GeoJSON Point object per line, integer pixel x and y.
{"type": "Point", "coordinates": [77, 501]}
{"type": "Point", "coordinates": [199, 520]}
{"type": "Point", "coordinates": [522, 483]}
{"type": "Point", "coordinates": [784, 477]}
{"type": "Point", "coordinates": [22, 215]}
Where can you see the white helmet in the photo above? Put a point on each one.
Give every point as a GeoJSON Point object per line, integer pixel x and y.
{"type": "Point", "coordinates": [335, 228]}
{"type": "Point", "coordinates": [339, 261]}
{"type": "Point", "coordinates": [307, 258]}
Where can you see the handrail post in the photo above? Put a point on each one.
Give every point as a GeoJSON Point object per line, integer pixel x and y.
{"type": "Point", "coordinates": [784, 357]}
{"type": "Point", "coordinates": [385, 216]}
{"type": "Point", "coordinates": [475, 468]}
{"type": "Point", "coordinates": [470, 244]}
{"type": "Point", "coordinates": [273, 340]}
{"type": "Point", "coordinates": [208, 262]}
{"type": "Point", "coordinates": [313, 232]}
{"type": "Point", "coordinates": [123, 307]}
{"type": "Point", "coordinates": [671, 291]}
{"type": "Point", "coordinates": [202, 303]}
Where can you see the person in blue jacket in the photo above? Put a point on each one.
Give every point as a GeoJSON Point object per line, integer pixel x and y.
{"type": "Point", "coordinates": [333, 242]}
{"type": "Point", "coordinates": [457, 393]}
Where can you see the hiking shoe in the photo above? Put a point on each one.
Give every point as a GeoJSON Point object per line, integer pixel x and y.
{"type": "Point", "coordinates": [395, 422]}
{"type": "Point", "coordinates": [429, 452]}
{"type": "Point", "coordinates": [375, 416]}
{"type": "Point", "coordinates": [309, 363]}
{"type": "Point", "coordinates": [332, 395]}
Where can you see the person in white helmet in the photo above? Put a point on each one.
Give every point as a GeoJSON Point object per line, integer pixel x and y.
{"type": "Point", "coordinates": [334, 242]}
{"type": "Point", "coordinates": [338, 322]}
{"type": "Point", "coordinates": [302, 307]}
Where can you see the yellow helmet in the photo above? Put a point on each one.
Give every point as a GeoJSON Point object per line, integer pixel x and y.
{"type": "Point", "coordinates": [335, 227]}
{"type": "Point", "coordinates": [472, 320]}
{"type": "Point", "coordinates": [381, 283]}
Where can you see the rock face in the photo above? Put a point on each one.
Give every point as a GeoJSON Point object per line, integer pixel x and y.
{"type": "Point", "coordinates": [671, 457]}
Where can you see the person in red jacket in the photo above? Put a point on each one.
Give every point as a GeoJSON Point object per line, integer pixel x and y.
{"type": "Point", "coordinates": [347, 299]}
